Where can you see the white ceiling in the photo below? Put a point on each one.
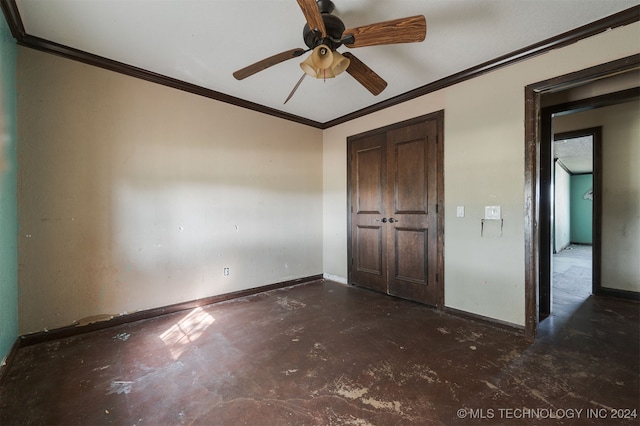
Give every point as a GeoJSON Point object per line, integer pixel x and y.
{"type": "Point", "coordinates": [576, 154]}
{"type": "Point", "coordinates": [203, 42]}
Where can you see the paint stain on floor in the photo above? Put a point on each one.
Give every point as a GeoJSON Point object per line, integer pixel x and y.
{"type": "Point", "coordinates": [326, 354]}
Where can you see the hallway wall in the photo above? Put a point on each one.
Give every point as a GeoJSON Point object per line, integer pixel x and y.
{"type": "Point", "coordinates": [562, 209]}
{"type": "Point", "coordinates": [581, 209]}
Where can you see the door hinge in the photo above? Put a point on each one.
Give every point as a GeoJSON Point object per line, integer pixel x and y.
{"type": "Point", "coordinates": [436, 208]}
{"type": "Point", "coordinates": [437, 278]}
{"type": "Point", "coordinates": [352, 261]}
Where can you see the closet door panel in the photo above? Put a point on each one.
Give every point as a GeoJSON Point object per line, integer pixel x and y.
{"type": "Point", "coordinates": [367, 193]}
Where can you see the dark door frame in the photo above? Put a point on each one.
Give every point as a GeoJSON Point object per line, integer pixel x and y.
{"type": "Point", "coordinates": [538, 137]}
{"type": "Point", "coordinates": [439, 117]}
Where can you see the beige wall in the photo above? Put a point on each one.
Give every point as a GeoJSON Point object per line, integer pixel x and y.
{"type": "Point", "coordinates": [620, 187]}
{"type": "Point", "coordinates": [133, 195]}
{"type": "Point", "coordinates": [484, 165]}
{"type": "Point", "coordinates": [562, 209]}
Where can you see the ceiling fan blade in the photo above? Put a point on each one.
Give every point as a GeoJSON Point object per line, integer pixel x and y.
{"type": "Point", "coordinates": [267, 62]}
{"type": "Point", "coordinates": [404, 30]}
{"type": "Point", "coordinates": [295, 88]}
{"type": "Point", "coordinates": [313, 16]}
{"type": "Point", "coordinates": [365, 75]}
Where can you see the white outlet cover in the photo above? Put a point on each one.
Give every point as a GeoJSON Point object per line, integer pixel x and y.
{"type": "Point", "coordinates": [460, 211]}
{"type": "Point", "coordinates": [492, 212]}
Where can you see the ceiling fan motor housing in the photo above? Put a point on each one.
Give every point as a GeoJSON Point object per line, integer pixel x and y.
{"type": "Point", "coordinates": [333, 26]}
{"type": "Point", "coordinates": [325, 6]}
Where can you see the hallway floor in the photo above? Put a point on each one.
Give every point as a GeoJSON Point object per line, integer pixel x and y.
{"type": "Point", "coordinates": [328, 354]}
{"type": "Point", "coordinates": [571, 286]}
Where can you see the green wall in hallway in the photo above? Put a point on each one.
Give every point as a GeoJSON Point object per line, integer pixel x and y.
{"type": "Point", "coordinates": [581, 209]}
{"type": "Point", "coordinates": [8, 197]}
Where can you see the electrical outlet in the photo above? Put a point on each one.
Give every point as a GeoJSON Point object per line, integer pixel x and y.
{"type": "Point", "coordinates": [225, 271]}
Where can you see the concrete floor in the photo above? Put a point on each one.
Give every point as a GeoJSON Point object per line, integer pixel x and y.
{"type": "Point", "coordinates": [327, 354]}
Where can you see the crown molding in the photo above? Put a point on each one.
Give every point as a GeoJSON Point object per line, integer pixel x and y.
{"type": "Point", "coordinates": [619, 19]}
{"type": "Point", "coordinates": [12, 15]}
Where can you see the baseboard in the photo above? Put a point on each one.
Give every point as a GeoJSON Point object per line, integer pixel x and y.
{"type": "Point", "coordinates": [335, 278]}
{"type": "Point", "coordinates": [496, 323]}
{"type": "Point", "coordinates": [4, 365]}
{"type": "Point", "coordinates": [621, 294]}
{"type": "Point", "coordinates": [73, 330]}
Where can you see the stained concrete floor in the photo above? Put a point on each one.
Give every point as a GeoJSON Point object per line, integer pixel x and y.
{"type": "Point", "coordinates": [327, 354]}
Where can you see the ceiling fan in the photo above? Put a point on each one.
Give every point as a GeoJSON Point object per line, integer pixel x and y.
{"type": "Point", "coordinates": [324, 33]}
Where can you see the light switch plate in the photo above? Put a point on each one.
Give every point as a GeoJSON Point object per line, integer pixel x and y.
{"type": "Point", "coordinates": [492, 212]}
{"type": "Point", "coordinates": [460, 211]}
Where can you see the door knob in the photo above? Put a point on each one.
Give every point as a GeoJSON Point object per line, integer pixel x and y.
{"type": "Point", "coordinates": [391, 220]}
{"type": "Point", "coordinates": [384, 220]}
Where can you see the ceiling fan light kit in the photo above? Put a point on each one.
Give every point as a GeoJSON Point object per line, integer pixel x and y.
{"type": "Point", "coordinates": [324, 33]}
{"type": "Point", "coordinates": [323, 63]}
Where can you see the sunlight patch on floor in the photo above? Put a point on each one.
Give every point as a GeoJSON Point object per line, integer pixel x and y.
{"type": "Point", "coordinates": [186, 331]}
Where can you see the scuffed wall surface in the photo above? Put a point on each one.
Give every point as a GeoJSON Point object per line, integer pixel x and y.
{"type": "Point", "coordinates": [134, 195]}
{"type": "Point", "coordinates": [8, 196]}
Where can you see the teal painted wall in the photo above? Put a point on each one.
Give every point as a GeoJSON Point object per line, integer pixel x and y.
{"type": "Point", "coordinates": [8, 191]}
{"type": "Point", "coordinates": [581, 209]}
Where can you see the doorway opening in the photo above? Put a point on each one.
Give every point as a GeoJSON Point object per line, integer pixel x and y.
{"type": "Point", "coordinates": [574, 203]}
{"type": "Point", "coordinates": [543, 101]}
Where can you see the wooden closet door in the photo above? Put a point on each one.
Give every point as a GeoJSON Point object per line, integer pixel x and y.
{"type": "Point", "coordinates": [368, 181]}
{"type": "Point", "coordinates": [410, 206]}
{"type": "Point", "coordinates": [395, 240]}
